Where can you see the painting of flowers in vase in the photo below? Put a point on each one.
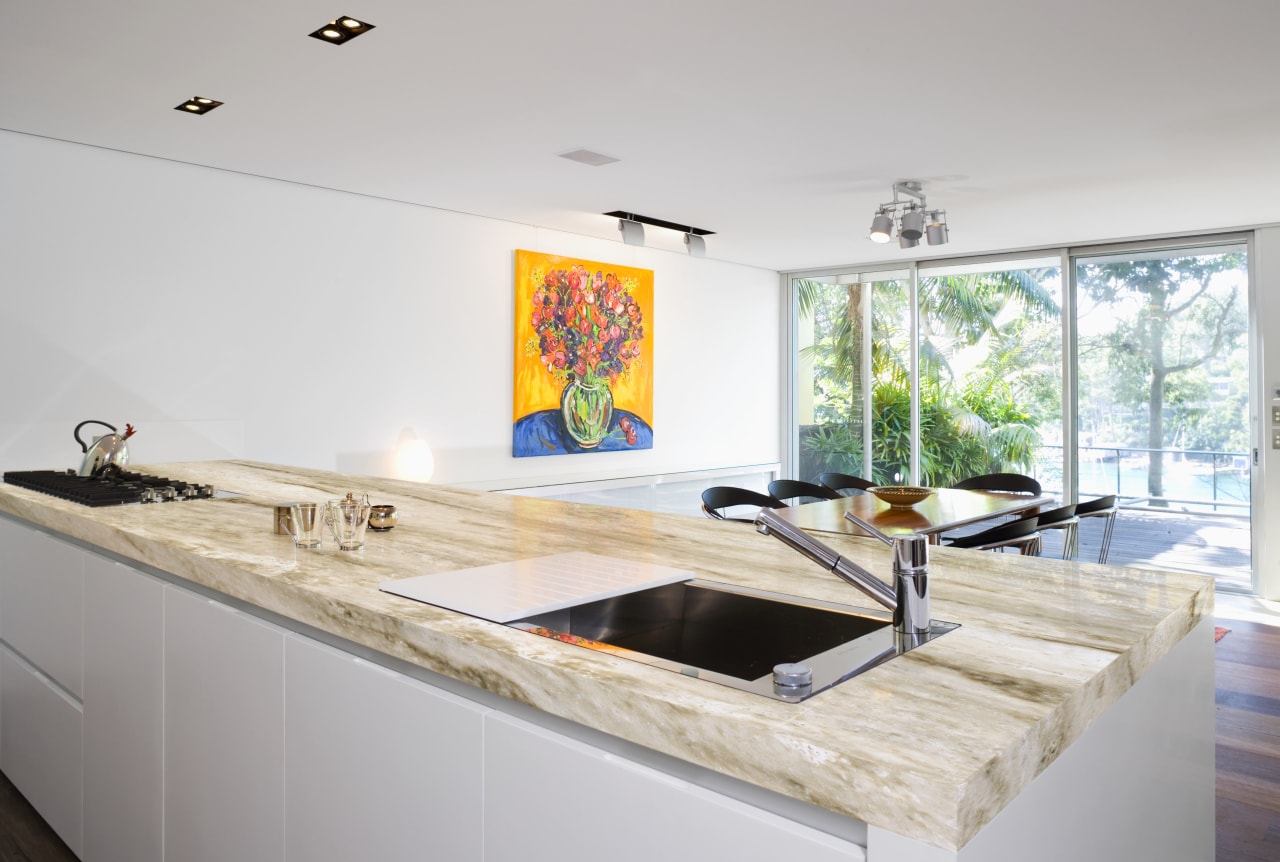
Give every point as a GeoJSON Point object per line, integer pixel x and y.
{"type": "Point", "coordinates": [583, 356]}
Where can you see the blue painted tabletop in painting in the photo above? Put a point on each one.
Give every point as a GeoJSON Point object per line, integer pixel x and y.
{"type": "Point", "coordinates": [544, 433]}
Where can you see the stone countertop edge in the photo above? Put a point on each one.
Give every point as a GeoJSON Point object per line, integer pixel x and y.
{"type": "Point", "coordinates": [1044, 647]}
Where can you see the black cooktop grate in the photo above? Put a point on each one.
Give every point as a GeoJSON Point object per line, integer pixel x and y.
{"type": "Point", "coordinates": [120, 487]}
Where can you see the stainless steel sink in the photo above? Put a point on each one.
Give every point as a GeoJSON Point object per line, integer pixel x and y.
{"type": "Point", "coordinates": [734, 636]}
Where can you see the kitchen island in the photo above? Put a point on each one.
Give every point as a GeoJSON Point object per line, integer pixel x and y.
{"type": "Point", "coordinates": [1071, 715]}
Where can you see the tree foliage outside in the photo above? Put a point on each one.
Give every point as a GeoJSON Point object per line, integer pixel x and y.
{"type": "Point", "coordinates": [1161, 365]}
{"type": "Point", "coordinates": [1169, 354]}
{"type": "Point", "coordinates": [975, 417]}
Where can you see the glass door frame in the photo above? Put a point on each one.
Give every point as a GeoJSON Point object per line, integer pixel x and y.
{"type": "Point", "coordinates": [789, 432]}
{"type": "Point", "coordinates": [1067, 256]}
{"type": "Point", "coordinates": [1253, 350]}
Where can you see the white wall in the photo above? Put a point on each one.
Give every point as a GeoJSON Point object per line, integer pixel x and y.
{"type": "Point", "coordinates": [226, 315]}
{"type": "Point", "coordinates": [1265, 269]}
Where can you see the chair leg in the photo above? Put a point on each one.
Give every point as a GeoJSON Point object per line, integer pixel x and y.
{"type": "Point", "coordinates": [1069, 541]}
{"type": "Point", "coordinates": [1106, 538]}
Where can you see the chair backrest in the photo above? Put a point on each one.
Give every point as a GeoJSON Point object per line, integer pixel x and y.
{"type": "Point", "coordinates": [1022, 533]}
{"type": "Point", "coordinates": [844, 482]}
{"type": "Point", "coordinates": [1096, 508]}
{"type": "Point", "coordinates": [1055, 518]}
{"type": "Point", "coordinates": [720, 497]}
{"type": "Point", "coordinates": [999, 482]}
{"type": "Point", "coordinates": [788, 489]}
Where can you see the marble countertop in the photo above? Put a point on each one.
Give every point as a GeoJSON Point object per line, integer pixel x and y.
{"type": "Point", "coordinates": [931, 745]}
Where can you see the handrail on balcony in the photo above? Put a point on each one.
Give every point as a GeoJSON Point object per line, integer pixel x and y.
{"type": "Point", "coordinates": [1235, 460]}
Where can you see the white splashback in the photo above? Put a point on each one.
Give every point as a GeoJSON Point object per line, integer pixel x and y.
{"type": "Point", "coordinates": [227, 315]}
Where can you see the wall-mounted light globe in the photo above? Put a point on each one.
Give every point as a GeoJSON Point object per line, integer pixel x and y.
{"type": "Point", "coordinates": [414, 461]}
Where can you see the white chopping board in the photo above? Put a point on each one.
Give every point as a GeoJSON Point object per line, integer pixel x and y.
{"type": "Point", "coordinates": [509, 591]}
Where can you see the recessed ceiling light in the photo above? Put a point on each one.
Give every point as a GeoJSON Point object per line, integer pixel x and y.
{"type": "Point", "coordinates": [342, 29]}
{"type": "Point", "coordinates": [197, 105]}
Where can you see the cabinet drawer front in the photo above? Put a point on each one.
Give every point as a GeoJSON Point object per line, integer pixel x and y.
{"type": "Point", "coordinates": [42, 615]}
{"type": "Point", "coordinates": [123, 713]}
{"type": "Point", "coordinates": [223, 733]}
{"type": "Point", "coordinates": [40, 746]}
{"type": "Point", "coordinates": [543, 790]}
{"type": "Point", "coordinates": [378, 766]}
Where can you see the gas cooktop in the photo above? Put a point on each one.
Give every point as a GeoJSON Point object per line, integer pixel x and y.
{"type": "Point", "coordinates": [113, 487]}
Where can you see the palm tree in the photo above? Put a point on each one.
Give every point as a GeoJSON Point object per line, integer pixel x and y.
{"type": "Point", "coordinates": [969, 425]}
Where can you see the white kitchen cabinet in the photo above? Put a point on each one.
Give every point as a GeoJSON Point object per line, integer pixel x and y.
{"type": "Point", "coordinates": [123, 713]}
{"type": "Point", "coordinates": [42, 616]}
{"type": "Point", "coordinates": [223, 733]}
{"type": "Point", "coordinates": [42, 674]}
{"type": "Point", "coordinates": [10, 538]}
{"type": "Point", "coordinates": [40, 750]}
{"type": "Point", "coordinates": [378, 765]}
{"type": "Point", "coordinates": [550, 797]}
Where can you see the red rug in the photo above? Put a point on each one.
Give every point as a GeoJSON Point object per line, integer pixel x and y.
{"type": "Point", "coordinates": [1219, 633]}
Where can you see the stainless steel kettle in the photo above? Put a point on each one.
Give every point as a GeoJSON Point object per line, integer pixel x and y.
{"type": "Point", "coordinates": [106, 451]}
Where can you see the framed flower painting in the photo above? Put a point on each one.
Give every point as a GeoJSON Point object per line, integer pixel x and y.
{"type": "Point", "coordinates": [583, 356]}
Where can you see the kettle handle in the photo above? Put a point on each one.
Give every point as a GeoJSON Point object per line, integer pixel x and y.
{"type": "Point", "coordinates": [84, 447]}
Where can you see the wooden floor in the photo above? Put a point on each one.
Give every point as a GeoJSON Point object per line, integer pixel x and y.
{"type": "Point", "coordinates": [1248, 752]}
{"type": "Point", "coordinates": [1248, 759]}
{"type": "Point", "coordinates": [24, 837]}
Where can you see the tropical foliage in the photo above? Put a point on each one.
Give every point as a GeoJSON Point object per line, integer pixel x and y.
{"type": "Point", "coordinates": [1161, 364]}
{"type": "Point", "coordinates": [976, 417]}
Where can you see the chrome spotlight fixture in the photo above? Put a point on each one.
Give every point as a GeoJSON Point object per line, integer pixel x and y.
{"type": "Point", "coordinates": [696, 245]}
{"type": "Point", "coordinates": [882, 226]}
{"type": "Point", "coordinates": [936, 227]}
{"type": "Point", "coordinates": [913, 217]}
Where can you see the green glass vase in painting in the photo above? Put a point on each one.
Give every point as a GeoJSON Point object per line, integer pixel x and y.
{"type": "Point", "coordinates": [587, 408]}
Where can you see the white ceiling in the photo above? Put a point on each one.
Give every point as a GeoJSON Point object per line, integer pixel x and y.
{"type": "Point", "coordinates": [778, 125]}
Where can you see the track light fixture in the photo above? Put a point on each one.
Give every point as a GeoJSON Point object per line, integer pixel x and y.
{"type": "Point", "coordinates": [914, 218]}
{"type": "Point", "coordinates": [632, 231]}
{"type": "Point", "coordinates": [632, 228]}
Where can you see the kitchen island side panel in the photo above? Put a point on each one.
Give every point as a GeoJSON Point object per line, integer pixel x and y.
{"type": "Point", "coordinates": [1138, 785]}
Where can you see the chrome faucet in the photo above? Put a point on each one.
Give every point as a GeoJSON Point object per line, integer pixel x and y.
{"type": "Point", "coordinates": [908, 598]}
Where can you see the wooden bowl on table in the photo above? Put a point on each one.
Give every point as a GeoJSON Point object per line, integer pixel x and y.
{"type": "Point", "coordinates": [900, 496]}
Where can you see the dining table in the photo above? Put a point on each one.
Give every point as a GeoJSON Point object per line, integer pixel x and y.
{"type": "Point", "coordinates": [944, 509]}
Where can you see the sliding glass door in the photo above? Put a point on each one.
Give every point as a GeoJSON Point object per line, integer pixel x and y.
{"type": "Point", "coordinates": [991, 371]}
{"type": "Point", "coordinates": [854, 371]}
{"type": "Point", "coordinates": [1163, 407]}
{"type": "Point", "coordinates": [1130, 376]}
{"type": "Point", "coordinates": [958, 377]}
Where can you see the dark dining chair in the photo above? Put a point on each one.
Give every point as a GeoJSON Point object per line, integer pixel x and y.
{"type": "Point", "coordinates": [1062, 518]}
{"type": "Point", "coordinates": [844, 482]}
{"type": "Point", "coordinates": [1015, 482]}
{"type": "Point", "coordinates": [720, 498]}
{"type": "Point", "coordinates": [1103, 507]}
{"type": "Point", "coordinates": [801, 492]}
{"type": "Point", "coordinates": [1021, 534]}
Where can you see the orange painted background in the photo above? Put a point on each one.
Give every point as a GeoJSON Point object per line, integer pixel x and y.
{"type": "Point", "coordinates": [538, 389]}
